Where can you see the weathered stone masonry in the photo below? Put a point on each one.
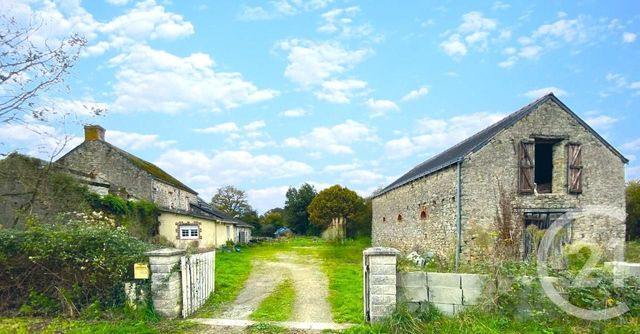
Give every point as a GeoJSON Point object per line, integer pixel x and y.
{"type": "Point", "coordinates": [496, 164]}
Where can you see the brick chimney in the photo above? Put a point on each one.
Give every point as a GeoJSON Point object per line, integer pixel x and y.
{"type": "Point", "coordinates": [93, 132]}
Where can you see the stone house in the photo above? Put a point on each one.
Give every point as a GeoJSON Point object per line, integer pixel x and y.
{"type": "Point", "coordinates": [546, 160]}
{"type": "Point", "coordinates": [185, 218]}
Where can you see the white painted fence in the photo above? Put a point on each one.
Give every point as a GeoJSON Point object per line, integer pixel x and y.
{"type": "Point", "coordinates": [198, 280]}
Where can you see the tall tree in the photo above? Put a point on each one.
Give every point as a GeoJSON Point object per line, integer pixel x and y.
{"type": "Point", "coordinates": [633, 209]}
{"type": "Point", "coordinates": [295, 208]}
{"type": "Point", "coordinates": [231, 201]}
{"type": "Point", "coordinates": [338, 202]}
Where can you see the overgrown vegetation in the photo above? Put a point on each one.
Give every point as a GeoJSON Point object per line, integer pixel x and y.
{"type": "Point", "coordinates": [65, 269]}
{"type": "Point", "coordinates": [23, 325]}
{"type": "Point", "coordinates": [279, 305]}
{"type": "Point", "coordinates": [632, 251]}
{"type": "Point", "coordinates": [138, 217]}
{"type": "Point", "coordinates": [633, 209]}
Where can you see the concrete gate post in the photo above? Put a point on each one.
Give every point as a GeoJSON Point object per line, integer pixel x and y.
{"type": "Point", "coordinates": [379, 268]}
{"type": "Point", "coordinates": [166, 285]}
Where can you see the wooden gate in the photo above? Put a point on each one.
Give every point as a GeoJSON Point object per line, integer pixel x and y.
{"type": "Point", "coordinates": [198, 280]}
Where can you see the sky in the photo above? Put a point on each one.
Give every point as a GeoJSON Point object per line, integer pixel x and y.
{"type": "Point", "coordinates": [268, 95]}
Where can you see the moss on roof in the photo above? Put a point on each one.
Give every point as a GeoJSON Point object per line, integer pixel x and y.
{"type": "Point", "coordinates": [154, 170]}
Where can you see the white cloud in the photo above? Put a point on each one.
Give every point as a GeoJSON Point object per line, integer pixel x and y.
{"type": "Point", "coordinates": [380, 107]}
{"type": "Point", "coordinates": [340, 168]}
{"type": "Point", "coordinates": [148, 20]}
{"type": "Point", "coordinates": [267, 198]}
{"type": "Point", "coordinates": [530, 51]}
{"type": "Point", "coordinates": [416, 93]}
{"type": "Point", "coordinates": [629, 37]}
{"type": "Point", "coordinates": [499, 5]}
{"type": "Point", "coordinates": [453, 46]}
{"type": "Point", "coordinates": [475, 21]}
{"type": "Point", "coordinates": [208, 171]}
{"type": "Point", "coordinates": [295, 112]}
{"type": "Point", "coordinates": [311, 63]}
{"type": "Point", "coordinates": [333, 140]}
{"type": "Point", "coordinates": [633, 145]}
{"type": "Point", "coordinates": [601, 121]}
{"type": "Point", "coordinates": [155, 80]}
{"type": "Point", "coordinates": [280, 8]}
{"type": "Point", "coordinates": [136, 141]}
{"type": "Point", "coordinates": [340, 91]}
{"type": "Point", "coordinates": [433, 135]}
{"type": "Point", "coordinates": [117, 2]}
{"type": "Point", "coordinates": [340, 21]}
{"type": "Point", "coordinates": [474, 30]}
{"type": "Point", "coordinates": [566, 30]}
{"type": "Point", "coordinates": [36, 139]}
{"type": "Point", "coordinates": [255, 125]}
{"type": "Point", "coordinates": [539, 92]}
{"type": "Point", "coordinates": [220, 128]}
{"type": "Point", "coordinates": [509, 62]}
{"type": "Point", "coordinates": [361, 176]}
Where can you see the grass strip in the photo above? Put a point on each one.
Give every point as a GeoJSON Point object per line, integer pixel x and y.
{"type": "Point", "coordinates": [279, 305]}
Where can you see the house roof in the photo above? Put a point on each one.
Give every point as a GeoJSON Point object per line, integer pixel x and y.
{"type": "Point", "coordinates": [206, 209]}
{"type": "Point", "coordinates": [153, 170]}
{"type": "Point", "coordinates": [474, 143]}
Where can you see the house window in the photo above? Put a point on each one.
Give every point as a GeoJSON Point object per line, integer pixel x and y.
{"type": "Point", "coordinates": [189, 232]}
{"type": "Point", "coordinates": [543, 171]}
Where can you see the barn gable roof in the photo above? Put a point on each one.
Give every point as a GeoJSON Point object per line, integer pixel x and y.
{"type": "Point", "coordinates": [474, 143]}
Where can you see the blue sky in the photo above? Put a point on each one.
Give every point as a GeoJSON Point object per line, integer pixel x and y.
{"type": "Point", "coordinates": [267, 95]}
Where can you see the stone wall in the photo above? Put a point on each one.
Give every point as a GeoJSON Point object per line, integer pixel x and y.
{"type": "Point", "coordinates": [434, 230]}
{"type": "Point", "coordinates": [496, 164]}
{"type": "Point", "coordinates": [98, 157]}
{"type": "Point", "coordinates": [166, 287]}
{"type": "Point", "coordinates": [379, 272]}
{"type": "Point", "coordinates": [168, 196]}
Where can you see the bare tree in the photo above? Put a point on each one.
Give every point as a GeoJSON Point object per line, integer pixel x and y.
{"type": "Point", "coordinates": [27, 70]}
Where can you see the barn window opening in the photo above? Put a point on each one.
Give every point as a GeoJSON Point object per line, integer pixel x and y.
{"type": "Point", "coordinates": [543, 171]}
{"type": "Point", "coordinates": [423, 214]}
{"type": "Point", "coordinates": [384, 219]}
{"type": "Point", "coordinates": [399, 218]}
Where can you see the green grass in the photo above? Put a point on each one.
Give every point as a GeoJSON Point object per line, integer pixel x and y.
{"type": "Point", "coordinates": [342, 263]}
{"type": "Point", "coordinates": [279, 305]}
{"type": "Point", "coordinates": [479, 321]}
{"type": "Point", "coordinates": [632, 251]}
{"type": "Point", "coordinates": [25, 325]}
{"type": "Point", "coordinates": [265, 328]}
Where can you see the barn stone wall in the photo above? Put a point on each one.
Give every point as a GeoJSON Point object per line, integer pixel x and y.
{"type": "Point", "coordinates": [496, 165]}
{"type": "Point", "coordinates": [435, 195]}
{"type": "Point", "coordinates": [98, 157]}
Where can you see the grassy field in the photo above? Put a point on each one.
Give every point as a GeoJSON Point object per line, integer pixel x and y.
{"type": "Point", "coordinates": [632, 251]}
{"type": "Point", "coordinates": [25, 325]}
{"type": "Point", "coordinates": [342, 263]}
{"type": "Point", "coordinates": [279, 305]}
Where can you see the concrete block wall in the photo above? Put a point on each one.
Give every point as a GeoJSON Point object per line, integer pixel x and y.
{"type": "Point", "coordinates": [379, 266]}
{"type": "Point", "coordinates": [166, 287]}
{"type": "Point", "coordinates": [448, 292]}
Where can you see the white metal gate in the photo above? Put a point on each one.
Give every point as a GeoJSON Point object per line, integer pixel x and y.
{"type": "Point", "coordinates": [198, 280]}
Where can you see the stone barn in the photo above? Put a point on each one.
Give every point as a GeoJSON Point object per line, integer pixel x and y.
{"type": "Point", "coordinates": [543, 156]}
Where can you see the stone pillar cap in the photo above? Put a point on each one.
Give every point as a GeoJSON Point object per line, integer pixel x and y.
{"type": "Point", "coordinates": [381, 251]}
{"type": "Point", "coordinates": [165, 252]}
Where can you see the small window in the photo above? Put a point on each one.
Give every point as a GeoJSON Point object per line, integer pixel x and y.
{"type": "Point", "coordinates": [423, 214]}
{"type": "Point", "coordinates": [384, 219]}
{"type": "Point", "coordinates": [189, 232]}
{"type": "Point", "coordinates": [399, 218]}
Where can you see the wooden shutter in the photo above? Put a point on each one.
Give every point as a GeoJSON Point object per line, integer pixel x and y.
{"type": "Point", "coordinates": [527, 162]}
{"type": "Point", "coordinates": [574, 165]}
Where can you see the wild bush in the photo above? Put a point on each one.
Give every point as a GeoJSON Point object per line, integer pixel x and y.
{"type": "Point", "coordinates": [54, 269]}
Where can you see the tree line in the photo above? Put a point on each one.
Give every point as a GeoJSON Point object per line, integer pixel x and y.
{"type": "Point", "coordinates": [306, 211]}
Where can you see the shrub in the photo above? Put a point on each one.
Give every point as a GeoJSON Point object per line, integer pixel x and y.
{"type": "Point", "coordinates": [51, 269]}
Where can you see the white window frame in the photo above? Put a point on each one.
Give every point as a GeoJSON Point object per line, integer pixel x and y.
{"type": "Point", "coordinates": [189, 229]}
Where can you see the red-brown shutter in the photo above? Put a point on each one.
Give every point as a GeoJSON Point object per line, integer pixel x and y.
{"type": "Point", "coordinates": [527, 162]}
{"type": "Point", "coordinates": [574, 173]}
